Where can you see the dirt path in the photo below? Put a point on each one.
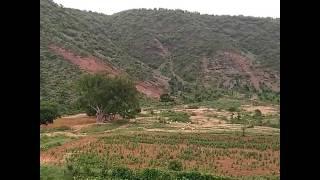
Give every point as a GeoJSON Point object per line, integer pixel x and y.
{"type": "Point", "coordinates": [69, 134]}
{"type": "Point", "coordinates": [265, 110]}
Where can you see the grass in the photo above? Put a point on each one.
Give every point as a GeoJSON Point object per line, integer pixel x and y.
{"type": "Point", "coordinates": [264, 120]}
{"type": "Point", "coordinates": [132, 153]}
{"type": "Point", "coordinates": [214, 140]}
{"type": "Point", "coordinates": [123, 154]}
{"type": "Point", "coordinates": [54, 173]}
{"type": "Point", "coordinates": [176, 116]}
{"type": "Point", "coordinates": [90, 165]}
{"type": "Point", "coordinates": [47, 142]}
{"type": "Point", "coordinates": [55, 129]}
{"type": "Point", "coordinates": [222, 103]}
{"type": "Point", "coordinates": [97, 128]}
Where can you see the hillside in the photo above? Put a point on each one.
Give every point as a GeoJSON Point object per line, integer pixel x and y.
{"type": "Point", "coordinates": [161, 50]}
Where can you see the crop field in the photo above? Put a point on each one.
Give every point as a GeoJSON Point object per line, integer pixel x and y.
{"type": "Point", "coordinates": [190, 143]}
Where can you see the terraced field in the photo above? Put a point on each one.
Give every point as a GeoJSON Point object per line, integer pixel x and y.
{"type": "Point", "coordinates": [208, 143]}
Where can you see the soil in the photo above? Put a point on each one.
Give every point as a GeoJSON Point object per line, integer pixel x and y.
{"type": "Point", "coordinates": [90, 64]}
{"type": "Point", "coordinates": [201, 123]}
{"type": "Point", "coordinates": [265, 110]}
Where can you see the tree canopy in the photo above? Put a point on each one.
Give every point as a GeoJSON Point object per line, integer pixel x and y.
{"type": "Point", "coordinates": [108, 96]}
{"type": "Point", "coordinates": [48, 112]}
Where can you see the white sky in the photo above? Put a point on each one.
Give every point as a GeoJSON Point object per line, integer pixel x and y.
{"type": "Point", "coordinates": [257, 8]}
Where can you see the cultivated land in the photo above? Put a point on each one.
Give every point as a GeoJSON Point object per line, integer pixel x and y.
{"type": "Point", "coordinates": [220, 70]}
{"type": "Point", "coordinates": [210, 143]}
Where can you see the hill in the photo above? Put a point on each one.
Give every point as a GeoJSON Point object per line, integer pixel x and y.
{"type": "Point", "coordinates": [161, 50]}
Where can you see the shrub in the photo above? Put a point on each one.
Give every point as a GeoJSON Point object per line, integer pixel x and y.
{"type": "Point", "coordinates": [90, 112]}
{"type": "Point", "coordinates": [150, 174]}
{"type": "Point", "coordinates": [232, 109]}
{"type": "Point", "coordinates": [257, 113]}
{"type": "Point", "coordinates": [162, 120]}
{"type": "Point", "coordinates": [122, 173]}
{"type": "Point", "coordinates": [48, 112]}
{"type": "Point", "coordinates": [165, 98]}
{"type": "Point", "coordinates": [60, 128]}
{"type": "Point", "coordinates": [192, 107]}
{"type": "Point", "coordinates": [176, 116]}
{"type": "Point", "coordinates": [175, 165]}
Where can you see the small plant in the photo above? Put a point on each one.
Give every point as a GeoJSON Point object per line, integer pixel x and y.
{"type": "Point", "coordinates": [257, 113]}
{"type": "Point", "coordinates": [192, 107]}
{"type": "Point", "coordinates": [176, 116]}
{"type": "Point", "coordinates": [175, 165]}
{"type": "Point", "coordinates": [233, 109]}
{"type": "Point", "coordinates": [162, 120]}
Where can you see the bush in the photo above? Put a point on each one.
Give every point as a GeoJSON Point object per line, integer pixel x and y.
{"type": "Point", "coordinates": [233, 109]}
{"type": "Point", "coordinates": [60, 128]}
{"type": "Point", "coordinates": [175, 165]}
{"type": "Point", "coordinates": [192, 107]}
{"type": "Point", "coordinates": [48, 112]}
{"type": "Point", "coordinates": [122, 173]}
{"type": "Point", "coordinates": [162, 120]}
{"type": "Point", "coordinates": [257, 113]}
{"type": "Point", "coordinates": [176, 116]}
{"type": "Point", "coordinates": [165, 98]}
{"type": "Point", "coordinates": [90, 112]}
{"type": "Point", "coordinates": [193, 114]}
{"type": "Point", "coordinates": [150, 174]}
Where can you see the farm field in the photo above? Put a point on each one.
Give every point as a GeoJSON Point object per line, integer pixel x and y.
{"type": "Point", "coordinates": [159, 93]}
{"type": "Point", "coordinates": [191, 142]}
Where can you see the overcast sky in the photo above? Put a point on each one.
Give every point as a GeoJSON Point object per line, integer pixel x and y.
{"type": "Point", "coordinates": [257, 8]}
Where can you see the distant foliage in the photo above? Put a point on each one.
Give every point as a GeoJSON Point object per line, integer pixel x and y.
{"type": "Point", "coordinates": [176, 116]}
{"type": "Point", "coordinates": [175, 165]}
{"type": "Point", "coordinates": [108, 96]}
{"type": "Point", "coordinates": [233, 109]}
{"type": "Point", "coordinates": [257, 113]}
{"type": "Point", "coordinates": [48, 112]}
{"type": "Point", "coordinates": [142, 40]}
{"type": "Point", "coordinates": [92, 166]}
{"type": "Point", "coordinates": [166, 98]}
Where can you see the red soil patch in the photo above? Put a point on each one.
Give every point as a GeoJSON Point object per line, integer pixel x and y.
{"type": "Point", "coordinates": [70, 122]}
{"type": "Point", "coordinates": [90, 64]}
{"type": "Point", "coordinates": [244, 64]}
{"type": "Point", "coordinates": [94, 65]}
{"type": "Point", "coordinates": [149, 89]}
{"type": "Point", "coordinates": [230, 63]}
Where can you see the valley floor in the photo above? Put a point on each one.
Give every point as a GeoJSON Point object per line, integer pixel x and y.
{"type": "Point", "coordinates": [209, 144]}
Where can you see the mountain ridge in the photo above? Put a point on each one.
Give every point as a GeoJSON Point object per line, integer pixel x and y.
{"type": "Point", "coordinates": [163, 50]}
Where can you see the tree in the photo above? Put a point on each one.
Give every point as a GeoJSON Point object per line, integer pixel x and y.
{"type": "Point", "coordinates": [246, 124]}
{"type": "Point", "coordinates": [175, 165]}
{"type": "Point", "coordinates": [108, 96]}
{"type": "Point", "coordinates": [233, 110]}
{"type": "Point", "coordinates": [257, 113]}
{"type": "Point", "coordinates": [48, 112]}
{"type": "Point", "coordinates": [165, 98]}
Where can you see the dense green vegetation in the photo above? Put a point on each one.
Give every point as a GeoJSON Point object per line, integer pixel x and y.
{"type": "Point", "coordinates": [108, 96]}
{"type": "Point", "coordinates": [82, 170]}
{"type": "Point", "coordinates": [176, 116]}
{"type": "Point", "coordinates": [141, 40]}
{"type": "Point", "coordinates": [47, 142]}
{"type": "Point", "coordinates": [48, 112]}
{"type": "Point", "coordinates": [167, 156]}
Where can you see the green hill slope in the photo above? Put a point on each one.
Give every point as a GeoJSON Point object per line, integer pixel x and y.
{"type": "Point", "coordinates": [160, 49]}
